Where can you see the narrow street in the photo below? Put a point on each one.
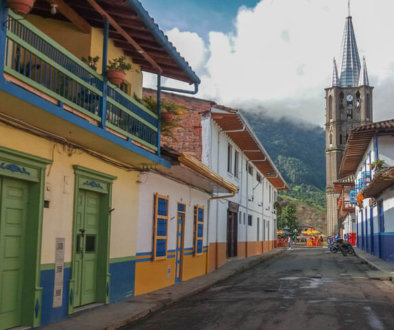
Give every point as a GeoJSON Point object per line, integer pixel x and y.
{"type": "Point", "coordinates": [301, 289]}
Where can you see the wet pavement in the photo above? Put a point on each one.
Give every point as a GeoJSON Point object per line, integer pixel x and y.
{"type": "Point", "coordinates": [300, 289]}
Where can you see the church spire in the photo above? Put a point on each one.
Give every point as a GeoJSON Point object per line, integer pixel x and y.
{"type": "Point", "coordinates": [351, 66]}
{"type": "Point", "coordinates": [364, 81]}
{"type": "Point", "coordinates": [335, 78]}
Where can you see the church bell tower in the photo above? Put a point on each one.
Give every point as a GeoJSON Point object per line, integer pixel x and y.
{"type": "Point", "coordinates": [348, 105]}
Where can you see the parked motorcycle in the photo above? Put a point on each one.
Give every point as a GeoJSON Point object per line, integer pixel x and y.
{"type": "Point", "coordinates": [339, 244]}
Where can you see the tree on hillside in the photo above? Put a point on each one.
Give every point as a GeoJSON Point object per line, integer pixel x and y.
{"type": "Point", "coordinates": [288, 218]}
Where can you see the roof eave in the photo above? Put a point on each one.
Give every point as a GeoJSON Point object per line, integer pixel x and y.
{"type": "Point", "coordinates": [160, 37]}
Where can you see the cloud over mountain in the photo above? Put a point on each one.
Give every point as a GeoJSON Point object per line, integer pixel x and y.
{"type": "Point", "coordinates": [279, 56]}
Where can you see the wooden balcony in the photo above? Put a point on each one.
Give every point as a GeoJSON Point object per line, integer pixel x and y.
{"type": "Point", "coordinates": [40, 65]}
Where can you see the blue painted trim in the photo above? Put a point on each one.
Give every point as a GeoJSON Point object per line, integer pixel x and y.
{"type": "Point", "coordinates": [171, 251]}
{"type": "Point", "coordinates": [376, 147]}
{"type": "Point", "coordinates": [3, 33]}
{"type": "Point", "coordinates": [188, 249]}
{"type": "Point", "coordinates": [82, 123]}
{"type": "Point", "coordinates": [158, 110]}
{"type": "Point", "coordinates": [188, 254]}
{"type": "Point", "coordinates": [103, 100]}
{"type": "Point", "coordinates": [122, 280]}
{"type": "Point", "coordinates": [143, 254]}
{"type": "Point", "coordinates": [161, 38]}
{"type": "Point", "coordinates": [171, 257]}
{"type": "Point", "coordinates": [143, 260]}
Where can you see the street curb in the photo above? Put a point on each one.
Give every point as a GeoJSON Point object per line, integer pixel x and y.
{"type": "Point", "coordinates": [388, 275]}
{"type": "Point", "coordinates": [204, 286]}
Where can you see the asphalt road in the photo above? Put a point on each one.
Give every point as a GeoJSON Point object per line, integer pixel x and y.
{"type": "Point", "coordinates": [301, 289]}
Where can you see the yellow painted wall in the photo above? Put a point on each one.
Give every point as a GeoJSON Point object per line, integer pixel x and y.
{"type": "Point", "coordinates": [133, 77]}
{"type": "Point", "coordinates": [58, 218]}
{"type": "Point", "coordinates": [64, 33]}
{"type": "Point", "coordinates": [193, 266]}
{"type": "Point", "coordinates": [153, 275]}
{"type": "Point", "coordinates": [82, 45]}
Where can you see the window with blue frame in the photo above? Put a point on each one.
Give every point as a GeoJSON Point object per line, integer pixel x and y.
{"type": "Point", "coordinates": [160, 227]}
{"type": "Point", "coordinates": [198, 229]}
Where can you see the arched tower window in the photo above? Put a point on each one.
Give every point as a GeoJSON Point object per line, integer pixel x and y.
{"type": "Point", "coordinates": [330, 138]}
{"type": "Point", "coordinates": [340, 139]}
{"type": "Point", "coordinates": [368, 108]}
{"type": "Point", "coordinates": [330, 107]}
{"type": "Point", "coordinates": [358, 99]}
{"type": "Point", "coordinates": [341, 97]}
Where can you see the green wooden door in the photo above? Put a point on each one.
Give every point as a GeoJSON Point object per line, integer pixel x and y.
{"type": "Point", "coordinates": [13, 217]}
{"type": "Point", "coordinates": [86, 247]}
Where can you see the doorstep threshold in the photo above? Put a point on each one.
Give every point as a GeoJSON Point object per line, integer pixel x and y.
{"type": "Point", "coordinates": [87, 307]}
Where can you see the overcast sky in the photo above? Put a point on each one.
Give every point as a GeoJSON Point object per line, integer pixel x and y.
{"type": "Point", "coordinates": [276, 55]}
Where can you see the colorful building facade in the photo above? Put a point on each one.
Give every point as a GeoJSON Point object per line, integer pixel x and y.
{"type": "Point", "coordinates": [241, 224]}
{"type": "Point", "coordinates": [369, 156]}
{"type": "Point", "coordinates": [72, 147]}
{"type": "Point", "coordinates": [173, 222]}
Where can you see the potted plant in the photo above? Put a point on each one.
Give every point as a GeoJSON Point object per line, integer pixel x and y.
{"type": "Point", "coordinates": [21, 7]}
{"type": "Point", "coordinates": [170, 113]}
{"type": "Point", "coordinates": [91, 61]}
{"type": "Point", "coordinates": [377, 164]}
{"type": "Point", "coordinates": [116, 69]}
{"type": "Point", "coordinates": [360, 199]}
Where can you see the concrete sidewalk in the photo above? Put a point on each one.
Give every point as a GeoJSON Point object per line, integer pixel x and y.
{"type": "Point", "coordinates": [383, 270]}
{"type": "Point", "coordinates": [115, 315]}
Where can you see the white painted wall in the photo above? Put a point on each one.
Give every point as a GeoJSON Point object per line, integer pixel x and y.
{"type": "Point", "coordinates": [152, 183]}
{"type": "Point", "coordinates": [385, 152]}
{"type": "Point", "coordinates": [254, 198]}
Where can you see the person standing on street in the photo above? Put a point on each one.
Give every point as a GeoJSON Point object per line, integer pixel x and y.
{"type": "Point", "coordinates": [289, 242]}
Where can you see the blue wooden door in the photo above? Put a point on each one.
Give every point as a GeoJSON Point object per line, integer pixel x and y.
{"type": "Point", "coordinates": [381, 227]}
{"type": "Point", "coordinates": [366, 230]}
{"type": "Point", "coordinates": [371, 230]}
{"type": "Point", "coordinates": [179, 241]}
{"type": "Point", "coordinates": [362, 230]}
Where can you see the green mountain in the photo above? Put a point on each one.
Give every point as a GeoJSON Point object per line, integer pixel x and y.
{"type": "Point", "coordinates": [298, 151]}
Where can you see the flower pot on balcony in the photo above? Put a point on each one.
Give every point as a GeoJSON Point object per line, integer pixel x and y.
{"type": "Point", "coordinates": [116, 77]}
{"type": "Point", "coordinates": [167, 117]}
{"type": "Point", "coordinates": [21, 7]}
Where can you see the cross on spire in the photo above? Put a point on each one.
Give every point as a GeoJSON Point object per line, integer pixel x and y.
{"type": "Point", "coordinates": [348, 6]}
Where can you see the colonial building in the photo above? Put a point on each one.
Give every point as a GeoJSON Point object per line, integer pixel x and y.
{"type": "Point", "coordinates": [243, 223]}
{"type": "Point", "coordinates": [72, 150]}
{"type": "Point", "coordinates": [173, 220]}
{"type": "Point", "coordinates": [348, 105]}
{"type": "Point", "coordinates": [369, 158]}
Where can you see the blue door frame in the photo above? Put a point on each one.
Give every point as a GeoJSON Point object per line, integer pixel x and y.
{"type": "Point", "coordinates": [366, 230]}
{"type": "Point", "coordinates": [362, 230]}
{"type": "Point", "coordinates": [371, 230]}
{"type": "Point", "coordinates": [381, 227]}
{"type": "Point", "coordinates": [181, 211]}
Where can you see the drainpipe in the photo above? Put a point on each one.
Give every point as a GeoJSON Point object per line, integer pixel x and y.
{"type": "Point", "coordinates": [207, 259]}
{"type": "Point", "coordinates": [103, 101]}
{"type": "Point", "coordinates": [184, 91]}
{"type": "Point", "coordinates": [376, 147]}
{"type": "Point", "coordinates": [3, 35]}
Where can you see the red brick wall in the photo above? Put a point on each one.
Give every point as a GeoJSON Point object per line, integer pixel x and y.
{"type": "Point", "coordinates": [188, 137]}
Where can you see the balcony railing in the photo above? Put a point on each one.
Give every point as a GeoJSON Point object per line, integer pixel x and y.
{"type": "Point", "coordinates": [41, 63]}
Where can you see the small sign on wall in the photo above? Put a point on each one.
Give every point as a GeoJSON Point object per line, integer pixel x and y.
{"type": "Point", "coordinates": [59, 272]}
